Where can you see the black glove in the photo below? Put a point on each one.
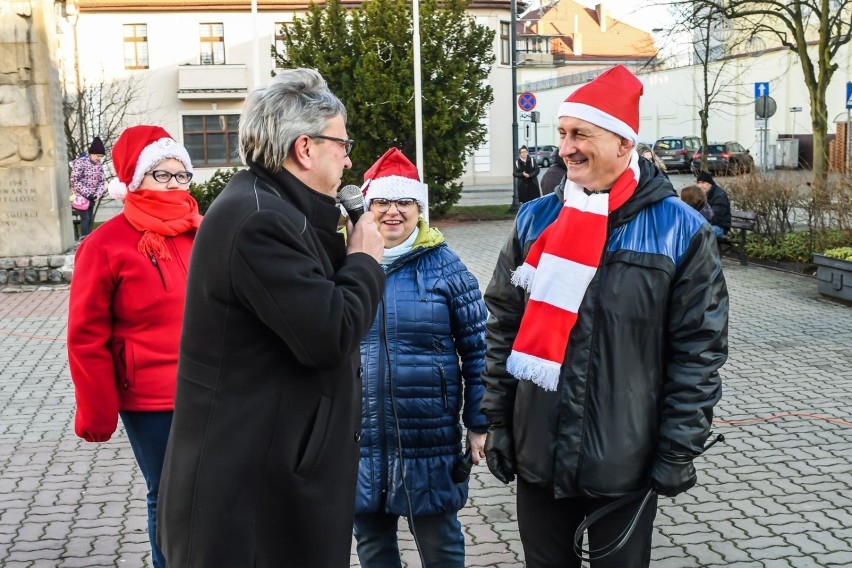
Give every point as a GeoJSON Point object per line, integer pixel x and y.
{"type": "Point", "coordinates": [673, 474]}
{"type": "Point", "coordinates": [499, 453]}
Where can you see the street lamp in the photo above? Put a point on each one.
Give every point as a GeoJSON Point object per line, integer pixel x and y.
{"type": "Point", "coordinates": [514, 61]}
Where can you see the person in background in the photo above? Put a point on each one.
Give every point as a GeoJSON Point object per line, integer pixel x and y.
{"type": "Point", "coordinates": [421, 364]}
{"type": "Point", "coordinates": [646, 152]}
{"type": "Point", "coordinates": [526, 170]}
{"type": "Point", "coordinates": [693, 196]}
{"type": "Point", "coordinates": [126, 304]}
{"type": "Point", "coordinates": [554, 175]}
{"type": "Point", "coordinates": [598, 388]}
{"type": "Point", "coordinates": [719, 202]}
{"type": "Point", "coordinates": [263, 455]}
{"type": "Point", "coordinates": [87, 180]}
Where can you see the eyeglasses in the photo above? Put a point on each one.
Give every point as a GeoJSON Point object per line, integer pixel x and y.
{"type": "Point", "coordinates": [163, 176]}
{"type": "Point", "coordinates": [347, 144]}
{"type": "Point", "coordinates": [402, 205]}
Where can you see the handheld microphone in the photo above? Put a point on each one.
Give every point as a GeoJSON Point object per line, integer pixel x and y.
{"type": "Point", "coordinates": [352, 200]}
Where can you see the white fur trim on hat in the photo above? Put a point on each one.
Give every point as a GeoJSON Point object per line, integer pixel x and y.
{"type": "Point", "coordinates": [396, 187]}
{"type": "Point", "coordinates": [156, 152]}
{"type": "Point", "coordinates": [117, 189]}
{"type": "Point", "coordinates": [598, 118]}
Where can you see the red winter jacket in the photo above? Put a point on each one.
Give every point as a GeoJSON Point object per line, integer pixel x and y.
{"type": "Point", "coordinates": [124, 323]}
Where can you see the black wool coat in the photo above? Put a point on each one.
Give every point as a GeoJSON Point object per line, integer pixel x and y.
{"type": "Point", "coordinates": [263, 454]}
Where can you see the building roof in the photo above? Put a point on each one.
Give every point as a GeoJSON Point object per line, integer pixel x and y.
{"type": "Point", "coordinates": [587, 32]}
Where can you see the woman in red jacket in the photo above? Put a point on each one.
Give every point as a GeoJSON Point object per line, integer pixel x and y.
{"type": "Point", "coordinates": [126, 303]}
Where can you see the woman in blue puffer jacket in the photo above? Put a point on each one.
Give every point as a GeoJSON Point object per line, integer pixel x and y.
{"type": "Point", "coordinates": [421, 364]}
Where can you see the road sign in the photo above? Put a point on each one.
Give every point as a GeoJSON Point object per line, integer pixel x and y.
{"type": "Point", "coordinates": [761, 90]}
{"type": "Point", "coordinates": [764, 107]}
{"type": "Point", "coordinates": [795, 109]}
{"type": "Point", "coordinates": [526, 101]}
{"type": "Point", "coordinates": [848, 95]}
{"type": "Point", "coordinates": [524, 116]}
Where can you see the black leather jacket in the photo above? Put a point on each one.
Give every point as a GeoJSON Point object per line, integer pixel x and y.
{"type": "Point", "coordinates": [640, 375]}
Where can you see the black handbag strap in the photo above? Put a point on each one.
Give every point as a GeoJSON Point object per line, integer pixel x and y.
{"type": "Point", "coordinates": [619, 541]}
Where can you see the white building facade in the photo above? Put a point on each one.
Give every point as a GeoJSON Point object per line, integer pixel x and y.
{"type": "Point", "coordinates": [192, 66]}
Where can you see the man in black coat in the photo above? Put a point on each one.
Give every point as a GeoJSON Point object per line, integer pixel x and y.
{"type": "Point", "coordinates": [263, 454]}
{"type": "Point", "coordinates": [718, 201]}
{"type": "Point", "coordinates": [607, 327]}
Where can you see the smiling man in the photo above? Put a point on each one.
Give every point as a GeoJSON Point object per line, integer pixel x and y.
{"type": "Point", "coordinates": [609, 318]}
{"type": "Point", "coordinates": [263, 454]}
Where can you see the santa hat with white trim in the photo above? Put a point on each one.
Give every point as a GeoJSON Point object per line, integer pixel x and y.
{"type": "Point", "coordinates": [393, 176]}
{"type": "Point", "coordinates": [611, 101]}
{"type": "Point", "coordinates": [137, 150]}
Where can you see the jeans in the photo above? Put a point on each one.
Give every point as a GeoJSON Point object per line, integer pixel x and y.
{"type": "Point", "coordinates": [148, 433]}
{"type": "Point", "coordinates": [439, 540]}
{"type": "Point", "coordinates": [86, 219]}
{"type": "Point", "coordinates": [547, 526]}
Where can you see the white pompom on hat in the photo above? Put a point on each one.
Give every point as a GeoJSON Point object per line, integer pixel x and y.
{"type": "Point", "coordinates": [393, 176]}
{"type": "Point", "coordinates": [137, 150]}
{"type": "Point", "coordinates": [611, 101]}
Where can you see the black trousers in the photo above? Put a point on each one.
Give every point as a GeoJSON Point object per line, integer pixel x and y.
{"type": "Point", "coordinates": [547, 526]}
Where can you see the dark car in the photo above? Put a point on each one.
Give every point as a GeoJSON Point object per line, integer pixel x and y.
{"type": "Point", "coordinates": [724, 158]}
{"type": "Point", "coordinates": [543, 154]}
{"type": "Point", "coordinates": [676, 151]}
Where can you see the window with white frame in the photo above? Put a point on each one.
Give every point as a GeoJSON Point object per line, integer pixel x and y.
{"type": "Point", "coordinates": [212, 139]}
{"type": "Point", "coordinates": [135, 46]}
{"type": "Point", "coordinates": [212, 38]}
{"type": "Point", "coordinates": [505, 56]}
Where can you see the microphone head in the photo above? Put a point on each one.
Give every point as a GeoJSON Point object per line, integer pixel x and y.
{"type": "Point", "coordinates": [350, 197]}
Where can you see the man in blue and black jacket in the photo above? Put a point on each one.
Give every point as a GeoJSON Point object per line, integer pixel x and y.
{"type": "Point", "coordinates": [608, 324]}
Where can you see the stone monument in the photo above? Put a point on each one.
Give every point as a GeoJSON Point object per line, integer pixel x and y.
{"type": "Point", "coordinates": [35, 213]}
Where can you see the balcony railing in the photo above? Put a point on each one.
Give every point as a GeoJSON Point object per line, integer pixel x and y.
{"type": "Point", "coordinates": [212, 81]}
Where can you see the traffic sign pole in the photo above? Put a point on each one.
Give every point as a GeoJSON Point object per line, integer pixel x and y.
{"type": "Point", "coordinates": [848, 128]}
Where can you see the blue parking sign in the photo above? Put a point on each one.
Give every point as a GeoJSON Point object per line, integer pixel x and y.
{"type": "Point", "coordinates": [761, 90]}
{"type": "Point", "coordinates": [848, 95]}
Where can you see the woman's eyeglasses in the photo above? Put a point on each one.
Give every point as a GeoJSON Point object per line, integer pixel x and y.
{"type": "Point", "coordinates": [347, 144]}
{"type": "Point", "coordinates": [163, 176]}
{"type": "Point", "coordinates": [402, 205]}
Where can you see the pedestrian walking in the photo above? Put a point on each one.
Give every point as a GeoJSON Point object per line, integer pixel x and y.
{"type": "Point", "coordinates": [526, 170]}
{"type": "Point", "coordinates": [88, 184]}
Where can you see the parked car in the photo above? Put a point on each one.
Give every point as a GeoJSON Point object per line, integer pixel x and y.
{"type": "Point", "coordinates": [543, 154]}
{"type": "Point", "coordinates": [676, 151]}
{"type": "Point", "coordinates": [724, 158]}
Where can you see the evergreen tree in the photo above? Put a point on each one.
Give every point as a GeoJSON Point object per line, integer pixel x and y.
{"type": "Point", "coordinates": [366, 55]}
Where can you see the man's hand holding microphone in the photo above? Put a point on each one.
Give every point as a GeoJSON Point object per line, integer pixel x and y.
{"type": "Point", "coordinates": [364, 235]}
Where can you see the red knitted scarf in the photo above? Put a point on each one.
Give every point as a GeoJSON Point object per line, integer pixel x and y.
{"type": "Point", "coordinates": [160, 214]}
{"type": "Point", "coordinates": [557, 271]}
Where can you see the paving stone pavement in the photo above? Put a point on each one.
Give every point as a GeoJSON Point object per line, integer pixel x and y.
{"type": "Point", "coordinates": [778, 493]}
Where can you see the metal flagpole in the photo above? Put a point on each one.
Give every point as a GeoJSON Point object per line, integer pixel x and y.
{"type": "Point", "coordinates": [418, 100]}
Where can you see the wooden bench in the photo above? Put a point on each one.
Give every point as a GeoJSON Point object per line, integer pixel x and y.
{"type": "Point", "coordinates": [741, 223]}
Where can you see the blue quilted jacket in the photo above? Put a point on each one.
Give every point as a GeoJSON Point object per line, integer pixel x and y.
{"type": "Point", "coordinates": [422, 361]}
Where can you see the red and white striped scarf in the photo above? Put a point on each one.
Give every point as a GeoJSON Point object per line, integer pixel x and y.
{"type": "Point", "coordinates": [557, 271]}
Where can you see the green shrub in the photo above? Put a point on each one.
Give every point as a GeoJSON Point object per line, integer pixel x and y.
{"type": "Point", "coordinates": [842, 253]}
{"type": "Point", "coordinates": [797, 246]}
{"type": "Point", "coordinates": [205, 192]}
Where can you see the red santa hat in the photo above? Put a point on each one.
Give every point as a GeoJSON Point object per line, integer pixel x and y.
{"type": "Point", "coordinates": [138, 149]}
{"type": "Point", "coordinates": [611, 101]}
{"type": "Point", "coordinates": [393, 176]}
